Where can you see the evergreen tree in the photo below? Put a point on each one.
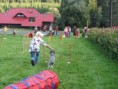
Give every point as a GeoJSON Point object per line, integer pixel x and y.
{"type": "Point", "coordinates": [95, 13]}
{"type": "Point", "coordinates": [104, 4]}
{"type": "Point", "coordinates": [74, 12]}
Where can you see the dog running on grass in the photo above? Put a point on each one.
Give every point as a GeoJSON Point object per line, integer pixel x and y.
{"type": "Point", "coordinates": [52, 59]}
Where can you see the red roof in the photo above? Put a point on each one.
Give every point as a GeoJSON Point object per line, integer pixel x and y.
{"type": "Point", "coordinates": [11, 17]}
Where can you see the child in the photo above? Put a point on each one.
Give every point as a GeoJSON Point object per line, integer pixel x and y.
{"type": "Point", "coordinates": [35, 44]}
{"type": "Point", "coordinates": [52, 59]}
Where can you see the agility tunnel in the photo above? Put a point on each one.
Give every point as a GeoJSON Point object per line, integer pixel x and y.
{"type": "Point", "coordinates": [46, 79]}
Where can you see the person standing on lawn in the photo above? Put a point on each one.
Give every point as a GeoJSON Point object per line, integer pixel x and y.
{"type": "Point", "coordinates": [56, 30]}
{"type": "Point", "coordinates": [74, 31]}
{"type": "Point", "coordinates": [86, 32]}
{"type": "Point", "coordinates": [34, 49]}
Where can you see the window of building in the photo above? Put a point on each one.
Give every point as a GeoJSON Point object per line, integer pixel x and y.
{"type": "Point", "coordinates": [21, 15]}
{"type": "Point", "coordinates": [31, 19]}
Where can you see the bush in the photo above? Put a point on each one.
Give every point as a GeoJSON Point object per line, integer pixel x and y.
{"type": "Point", "coordinates": [107, 39]}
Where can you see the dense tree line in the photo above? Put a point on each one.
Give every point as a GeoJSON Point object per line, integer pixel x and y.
{"type": "Point", "coordinates": [94, 13]}
{"type": "Point", "coordinates": [80, 12]}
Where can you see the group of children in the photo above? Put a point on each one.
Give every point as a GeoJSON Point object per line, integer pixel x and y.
{"type": "Point", "coordinates": [76, 31]}
{"type": "Point", "coordinates": [67, 31]}
{"type": "Point", "coordinates": [52, 30]}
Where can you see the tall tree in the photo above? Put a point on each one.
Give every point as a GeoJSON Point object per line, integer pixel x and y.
{"type": "Point", "coordinates": [74, 12]}
{"type": "Point", "coordinates": [114, 13]}
{"type": "Point", "coordinates": [95, 13]}
{"type": "Point", "coordinates": [104, 4]}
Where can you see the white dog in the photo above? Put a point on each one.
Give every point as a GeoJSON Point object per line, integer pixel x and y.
{"type": "Point", "coordinates": [52, 59]}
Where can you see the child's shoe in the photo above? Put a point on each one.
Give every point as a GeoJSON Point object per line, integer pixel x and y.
{"type": "Point", "coordinates": [32, 62]}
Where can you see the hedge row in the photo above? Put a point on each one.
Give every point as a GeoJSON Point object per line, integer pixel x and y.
{"type": "Point", "coordinates": [107, 39]}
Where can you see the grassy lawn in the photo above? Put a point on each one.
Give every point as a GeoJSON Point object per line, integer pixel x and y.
{"type": "Point", "coordinates": [89, 68]}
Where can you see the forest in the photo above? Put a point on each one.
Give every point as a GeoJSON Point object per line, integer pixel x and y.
{"type": "Point", "coordinates": [92, 13]}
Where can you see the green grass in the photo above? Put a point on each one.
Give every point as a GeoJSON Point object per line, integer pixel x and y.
{"type": "Point", "coordinates": [89, 68]}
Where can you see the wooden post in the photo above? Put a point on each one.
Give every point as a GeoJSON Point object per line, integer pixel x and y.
{"type": "Point", "coordinates": [5, 31]}
{"type": "Point", "coordinates": [50, 37]}
{"type": "Point", "coordinates": [44, 55]}
{"type": "Point", "coordinates": [70, 53]}
{"type": "Point", "coordinates": [1, 38]}
{"type": "Point", "coordinates": [75, 40]}
{"type": "Point", "coordinates": [25, 43]}
{"type": "Point", "coordinates": [61, 36]}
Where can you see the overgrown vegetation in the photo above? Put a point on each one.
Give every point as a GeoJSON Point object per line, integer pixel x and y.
{"type": "Point", "coordinates": [107, 39]}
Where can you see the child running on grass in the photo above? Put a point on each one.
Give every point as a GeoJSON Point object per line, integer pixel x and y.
{"type": "Point", "coordinates": [35, 44]}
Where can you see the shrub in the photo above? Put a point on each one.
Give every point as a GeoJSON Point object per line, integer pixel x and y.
{"type": "Point", "coordinates": [107, 39]}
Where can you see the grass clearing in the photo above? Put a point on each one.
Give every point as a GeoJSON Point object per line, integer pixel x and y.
{"type": "Point", "coordinates": [89, 68]}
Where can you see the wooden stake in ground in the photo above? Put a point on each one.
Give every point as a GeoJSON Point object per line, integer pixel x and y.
{"type": "Point", "coordinates": [61, 36]}
{"type": "Point", "coordinates": [1, 38]}
{"type": "Point", "coordinates": [5, 31]}
{"type": "Point", "coordinates": [70, 53]}
{"type": "Point", "coordinates": [26, 42]}
{"type": "Point", "coordinates": [44, 54]}
{"type": "Point", "coordinates": [50, 37]}
{"type": "Point", "coordinates": [75, 40]}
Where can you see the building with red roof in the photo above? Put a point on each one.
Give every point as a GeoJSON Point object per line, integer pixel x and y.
{"type": "Point", "coordinates": [25, 17]}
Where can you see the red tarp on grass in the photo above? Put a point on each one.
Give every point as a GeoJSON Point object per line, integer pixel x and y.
{"type": "Point", "coordinates": [43, 80]}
